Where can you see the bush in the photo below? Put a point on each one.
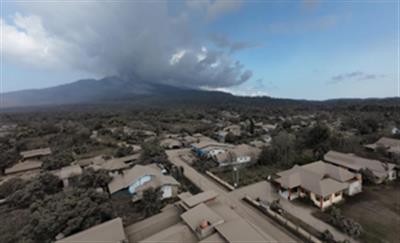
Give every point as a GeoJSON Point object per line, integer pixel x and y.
{"type": "Point", "coordinates": [327, 237]}
{"type": "Point", "coordinates": [347, 225]}
{"type": "Point", "coordinates": [123, 151]}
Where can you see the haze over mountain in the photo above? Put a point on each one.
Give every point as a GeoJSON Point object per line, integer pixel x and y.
{"type": "Point", "coordinates": [116, 90]}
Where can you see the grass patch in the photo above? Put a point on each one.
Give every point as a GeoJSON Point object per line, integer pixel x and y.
{"type": "Point", "coordinates": [248, 175]}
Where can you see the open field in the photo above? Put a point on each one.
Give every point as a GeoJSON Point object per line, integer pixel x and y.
{"type": "Point", "coordinates": [377, 209]}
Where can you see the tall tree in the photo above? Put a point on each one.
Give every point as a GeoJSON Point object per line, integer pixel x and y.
{"type": "Point", "coordinates": [151, 201]}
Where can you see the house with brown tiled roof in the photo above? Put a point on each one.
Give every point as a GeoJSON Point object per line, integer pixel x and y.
{"type": "Point", "coordinates": [35, 153]}
{"type": "Point", "coordinates": [322, 182]}
{"type": "Point", "coordinates": [140, 178]}
{"type": "Point", "coordinates": [206, 220]}
{"type": "Point", "coordinates": [391, 145]}
{"type": "Point", "coordinates": [354, 163]}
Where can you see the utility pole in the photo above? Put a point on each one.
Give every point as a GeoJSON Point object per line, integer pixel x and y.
{"type": "Point", "coordinates": [235, 176]}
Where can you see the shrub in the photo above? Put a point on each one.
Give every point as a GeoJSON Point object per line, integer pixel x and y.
{"type": "Point", "coordinates": [347, 225]}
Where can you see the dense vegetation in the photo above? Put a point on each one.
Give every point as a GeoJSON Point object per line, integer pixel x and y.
{"type": "Point", "coordinates": [39, 209]}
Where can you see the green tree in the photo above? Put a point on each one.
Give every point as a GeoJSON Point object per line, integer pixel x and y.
{"type": "Point", "coordinates": [36, 189]}
{"type": "Point", "coordinates": [11, 186]}
{"type": "Point", "coordinates": [317, 135]}
{"type": "Point", "coordinates": [58, 160]}
{"type": "Point", "coordinates": [91, 178]}
{"type": "Point", "coordinates": [67, 212]}
{"type": "Point", "coordinates": [151, 150]}
{"type": "Point", "coordinates": [151, 201]}
{"type": "Point", "coordinates": [230, 138]}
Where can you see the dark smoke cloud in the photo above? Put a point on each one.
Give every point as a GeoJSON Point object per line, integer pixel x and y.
{"type": "Point", "coordinates": [142, 41]}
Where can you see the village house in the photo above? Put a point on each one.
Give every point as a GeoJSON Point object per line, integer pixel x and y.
{"type": "Point", "coordinates": [268, 128]}
{"type": "Point", "coordinates": [206, 220]}
{"type": "Point", "coordinates": [23, 167]}
{"type": "Point", "coordinates": [390, 145]}
{"type": "Point", "coordinates": [171, 143]}
{"type": "Point", "coordinates": [353, 163]}
{"type": "Point", "coordinates": [113, 165]}
{"type": "Point", "coordinates": [242, 154]}
{"type": "Point", "coordinates": [321, 182]}
{"type": "Point", "coordinates": [235, 130]}
{"type": "Point", "coordinates": [109, 231]}
{"type": "Point", "coordinates": [140, 178]}
{"type": "Point", "coordinates": [207, 147]}
{"type": "Point", "coordinates": [97, 160]}
{"type": "Point", "coordinates": [68, 172]}
{"type": "Point", "coordinates": [35, 154]}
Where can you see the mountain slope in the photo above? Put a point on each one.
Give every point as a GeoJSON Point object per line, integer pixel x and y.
{"type": "Point", "coordinates": [110, 89]}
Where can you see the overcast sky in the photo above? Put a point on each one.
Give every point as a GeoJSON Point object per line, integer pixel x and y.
{"type": "Point", "coordinates": [291, 49]}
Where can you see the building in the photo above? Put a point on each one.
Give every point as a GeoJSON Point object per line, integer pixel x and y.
{"type": "Point", "coordinates": [171, 143]}
{"type": "Point", "coordinates": [35, 154]}
{"type": "Point", "coordinates": [235, 130]}
{"type": "Point", "coordinates": [111, 231]}
{"type": "Point", "coordinates": [353, 163]}
{"type": "Point", "coordinates": [25, 166]}
{"type": "Point", "coordinates": [120, 164]}
{"type": "Point", "coordinates": [268, 128]}
{"type": "Point", "coordinates": [391, 145]}
{"type": "Point", "coordinates": [203, 218]}
{"type": "Point", "coordinates": [237, 155]}
{"type": "Point", "coordinates": [68, 172]}
{"type": "Point", "coordinates": [209, 148]}
{"type": "Point", "coordinates": [140, 178]}
{"type": "Point", "coordinates": [321, 182]}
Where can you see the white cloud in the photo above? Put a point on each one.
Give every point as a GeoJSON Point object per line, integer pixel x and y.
{"type": "Point", "coordinates": [176, 57]}
{"type": "Point", "coordinates": [26, 41]}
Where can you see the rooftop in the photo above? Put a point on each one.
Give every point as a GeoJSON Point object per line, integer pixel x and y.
{"type": "Point", "coordinates": [24, 166]}
{"type": "Point", "coordinates": [319, 177]}
{"type": "Point", "coordinates": [36, 152]}
{"type": "Point", "coordinates": [357, 163]}
{"type": "Point", "coordinates": [110, 231]}
{"type": "Point", "coordinates": [120, 182]}
{"type": "Point", "coordinates": [199, 214]}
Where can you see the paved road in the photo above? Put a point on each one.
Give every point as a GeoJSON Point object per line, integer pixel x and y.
{"type": "Point", "coordinates": [260, 221]}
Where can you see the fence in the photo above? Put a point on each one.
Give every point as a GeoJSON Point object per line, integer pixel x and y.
{"type": "Point", "coordinates": [220, 181]}
{"type": "Point", "coordinates": [282, 220]}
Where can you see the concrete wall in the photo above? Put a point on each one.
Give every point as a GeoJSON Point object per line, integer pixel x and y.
{"type": "Point", "coordinates": [392, 175]}
{"type": "Point", "coordinates": [327, 201]}
{"type": "Point", "coordinates": [354, 187]}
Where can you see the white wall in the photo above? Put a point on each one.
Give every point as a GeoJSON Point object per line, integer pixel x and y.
{"type": "Point", "coordinates": [354, 187]}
